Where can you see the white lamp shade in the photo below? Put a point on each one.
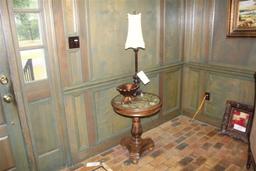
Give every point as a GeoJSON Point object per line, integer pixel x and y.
{"type": "Point", "coordinates": [134, 37]}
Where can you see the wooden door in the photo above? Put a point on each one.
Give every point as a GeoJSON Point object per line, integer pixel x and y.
{"type": "Point", "coordinates": [29, 29]}
{"type": "Point", "coordinates": [12, 150]}
{"type": "Point", "coordinates": [27, 26]}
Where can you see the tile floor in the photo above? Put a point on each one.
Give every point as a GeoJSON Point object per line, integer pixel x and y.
{"type": "Point", "coordinates": [180, 145]}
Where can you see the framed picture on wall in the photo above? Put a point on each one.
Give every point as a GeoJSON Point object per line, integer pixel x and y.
{"type": "Point", "coordinates": [237, 120]}
{"type": "Point", "coordinates": [241, 18]}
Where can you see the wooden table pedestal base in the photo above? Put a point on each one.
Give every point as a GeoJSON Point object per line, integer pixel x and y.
{"type": "Point", "coordinates": [135, 144]}
{"type": "Point", "coordinates": [141, 106]}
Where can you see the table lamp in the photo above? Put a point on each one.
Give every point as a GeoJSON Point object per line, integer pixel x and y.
{"type": "Point", "coordinates": [135, 41]}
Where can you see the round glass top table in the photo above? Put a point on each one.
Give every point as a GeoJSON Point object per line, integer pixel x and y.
{"type": "Point", "coordinates": [144, 105]}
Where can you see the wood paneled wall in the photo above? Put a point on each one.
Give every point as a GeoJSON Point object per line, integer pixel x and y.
{"type": "Point", "coordinates": [186, 51]}
{"type": "Point", "coordinates": [214, 63]}
{"type": "Point", "coordinates": [91, 73]}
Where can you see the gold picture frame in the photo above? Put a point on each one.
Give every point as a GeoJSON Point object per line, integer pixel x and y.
{"type": "Point", "coordinates": [241, 18]}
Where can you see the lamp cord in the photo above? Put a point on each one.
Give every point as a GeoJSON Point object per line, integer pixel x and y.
{"type": "Point", "coordinates": [199, 108]}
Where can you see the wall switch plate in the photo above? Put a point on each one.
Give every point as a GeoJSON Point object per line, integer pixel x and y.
{"type": "Point", "coordinates": [73, 42]}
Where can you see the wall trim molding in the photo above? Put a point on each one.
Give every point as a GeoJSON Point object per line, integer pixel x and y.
{"type": "Point", "coordinates": [119, 78]}
{"type": "Point", "coordinates": [223, 69]}
{"type": "Point", "coordinates": [217, 68]}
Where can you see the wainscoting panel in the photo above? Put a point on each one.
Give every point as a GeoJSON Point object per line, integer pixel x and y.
{"type": "Point", "coordinates": [75, 66]}
{"type": "Point", "coordinates": [45, 135]}
{"type": "Point", "coordinates": [222, 83]}
{"type": "Point", "coordinates": [173, 35]}
{"type": "Point", "coordinates": [70, 16]}
{"type": "Point", "coordinates": [171, 95]}
{"type": "Point", "coordinates": [237, 52]}
{"type": "Point", "coordinates": [109, 51]}
{"type": "Point", "coordinates": [108, 122]}
{"type": "Point", "coordinates": [91, 73]}
{"type": "Point", "coordinates": [223, 88]}
{"type": "Point", "coordinates": [191, 83]}
{"type": "Point", "coordinates": [77, 123]}
{"type": "Point", "coordinates": [199, 16]}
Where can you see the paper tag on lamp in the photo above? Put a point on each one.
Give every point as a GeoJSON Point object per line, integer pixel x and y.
{"type": "Point", "coordinates": [142, 76]}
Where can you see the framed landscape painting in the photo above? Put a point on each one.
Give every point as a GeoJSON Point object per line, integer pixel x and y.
{"type": "Point", "coordinates": [241, 18]}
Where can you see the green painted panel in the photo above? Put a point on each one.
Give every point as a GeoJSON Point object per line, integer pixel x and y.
{"type": "Point", "coordinates": [6, 159]}
{"type": "Point", "coordinates": [191, 88]}
{"type": "Point", "coordinates": [196, 36]}
{"type": "Point", "coordinates": [43, 126]}
{"type": "Point", "coordinates": [171, 90]}
{"type": "Point", "coordinates": [223, 88]}
{"type": "Point", "coordinates": [238, 52]}
{"type": "Point", "coordinates": [54, 162]}
{"type": "Point", "coordinates": [152, 86]}
{"type": "Point", "coordinates": [108, 122]}
{"type": "Point", "coordinates": [173, 31]}
{"type": "Point", "coordinates": [75, 67]}
{"type": "Point", "coordinates": [81, 122]}
{"type": "Point", "coordinates": [108, 57]}
{"type": "Point", "coordinates": [150, 11]}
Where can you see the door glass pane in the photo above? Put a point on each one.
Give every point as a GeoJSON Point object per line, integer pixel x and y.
{"type": "Point", "coordinates": [25, 4]}
{"type": "Point", "coordinates": [28, 29]}
{"type": "Point", "coordinates": [33, 65]}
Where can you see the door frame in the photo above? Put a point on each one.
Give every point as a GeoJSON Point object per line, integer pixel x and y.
{"type": "Point", "coordinates": [16, 84]}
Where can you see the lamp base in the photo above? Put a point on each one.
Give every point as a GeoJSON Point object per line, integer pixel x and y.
{"type": "Point", "coordinates": [136, 81]}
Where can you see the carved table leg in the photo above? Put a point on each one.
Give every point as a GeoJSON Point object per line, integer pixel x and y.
{"type": "Point", "coordinates": [135, 144]}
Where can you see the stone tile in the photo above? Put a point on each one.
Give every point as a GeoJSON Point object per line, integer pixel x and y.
{"type": "Point", "coordinates": [211, 161]}
{"type": "Point", "coordinates": [199, 161]}
{"type": "Point", "coordinates": [190, 167]}
{"type": "Point", "coordinates": [161, 167]}
{"type": "Point", "coordinates": [185, 161]}
{"type": "Point", "coordinates": [204, 138]}
{"type": "Point", "coordinates": [180, 139]}
{"type": "Point", "coordinates": [156, 153]}
{"type": "Point", "coordinates": [233, 167]}
{"type": "Point", "coordinates": [218, 145]}
{"type": "Point", "coordinates": [146, 167]}
{"type": "Point", "coordinates": [175, 124]}
{"type": "Point", "coordinates": [186, 129]}
{"type": "Point", "coordinates": [218, 168]}
{"type": "Point", "coordinates": [212, 133]}
{"type": "Point", "coordinates": [188, 134]}
{"type": "Point", "coordinates": [169, 146]}
{"type": "Point", "coordinates": [127, 168]}
{"type": "Point", "coordinates": [145, 160]}
{"type": "Point", "coordinates": [158, 161]}
{"type": "Point", "coordinates": [203, 168]}
{"type": "Point", "coordinates": [206, 146]}
{"type": "Point", "coordinates": [175, 119]}
{"type": "Point", "coordinates": [180, 145]}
